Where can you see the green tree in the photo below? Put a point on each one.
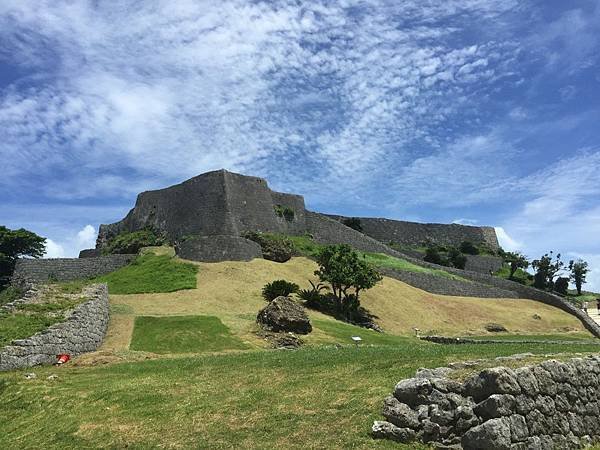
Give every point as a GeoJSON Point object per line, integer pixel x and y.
{"type": "Point", "coordinates": [347, 273]}
{"type": "Point", "coordinates": [456, 258]}
{"type": "Point", "coordinates": [546, 270]}
{"type": "Point", "coordinates": [14, 244]}
{"type": "Point", "coordinates": [516, 260]}
{"type": "Point", "coordinates": [579, 270]}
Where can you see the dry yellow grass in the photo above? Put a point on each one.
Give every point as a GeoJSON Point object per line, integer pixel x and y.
{"type": "Point", "coordinates": [231, 291]}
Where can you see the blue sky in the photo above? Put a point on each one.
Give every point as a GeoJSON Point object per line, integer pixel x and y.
{"type": "Point", "coordinates": [477, 111]}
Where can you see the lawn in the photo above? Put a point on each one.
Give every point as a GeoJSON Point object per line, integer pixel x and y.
{"type": "Point", "coordinates": [151, 273]}
{"type": "Point", "coordinates": [183, 334]}
{"type": "Point", "coordinates": [390, 262]}
{"type": "Point", "coordinates": [323, 397]}
{"type": "Point", "coordinates": [20, 326]}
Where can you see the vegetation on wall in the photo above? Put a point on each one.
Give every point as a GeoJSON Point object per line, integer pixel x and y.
{"type": "Point", "coordinates": [131, 242]}
{"type": "Point", "coordinates": [15, 244]}
{"type": "Point", "coordinates": [274, 247]}
{"type": "Point", "coordinates": [284, 211]}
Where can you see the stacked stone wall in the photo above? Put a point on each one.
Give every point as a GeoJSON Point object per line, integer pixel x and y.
{"type": "Point", "coordinates": [417, 234]}
{"type": "Point", "coordinates": [82, 332]}
{"type": "Point", "coordinates": [447, 286]}
{"type": "Point", "coordinates": [218, 248]}
{"type": "Point", "coordinates": [66, 269]}
{"type": "Point", "coordinates": [483, 264]}
{"type": "Point", "coordinates": [550, 405]}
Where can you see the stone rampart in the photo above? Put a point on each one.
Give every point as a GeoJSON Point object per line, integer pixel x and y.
{"type": "Point", "coordinates": [83, 331]}
{"type": "Point", "coordinates": [549, 405]}
{"type": "Point", "coordinates": [447, 286]}
{"type": "Point", "coordinates": [417, 234]}
{"type": "Point", "coordinates": [218, 248]}
{"type": "Point", "coordinates": [483, 264]}
{"type": "Point", "coordinates": [66, 269]}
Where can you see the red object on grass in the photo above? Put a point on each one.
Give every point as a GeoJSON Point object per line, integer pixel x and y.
{"type": "Point", "coordinates": [62, 359]}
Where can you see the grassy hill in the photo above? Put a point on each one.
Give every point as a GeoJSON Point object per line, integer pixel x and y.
{"type": "Point", "coordinates": [185, 369]}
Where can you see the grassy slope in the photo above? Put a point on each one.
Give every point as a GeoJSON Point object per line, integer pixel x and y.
{"type": "Point", "coordinates": [312, 398]}
{"type": "Point", "coordinates": [231, 291]}
{"type": "Point", "coordinates": [323, 397]}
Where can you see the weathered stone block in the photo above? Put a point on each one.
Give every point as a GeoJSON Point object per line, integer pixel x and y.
{"type": "Point", "coordinates": [386, 430]}
{"type": "Point", "coordinates": [493, 434]}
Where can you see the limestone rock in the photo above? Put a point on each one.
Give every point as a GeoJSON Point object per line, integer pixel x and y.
{"type": "Point", "coordinates": [399, 413]}
{"type": "Point", "coordinates": [496, 405]}
{"type": "Point", "coordinates": [387, 430]}
{"type": "Point", "coordinates": [414, 391]}
{"type": "Point", "coordinates": [493, 434]}
{"type": "Point", "coordinates": [497, 380]}
{"type": "Point", "coordinates": [284, 314]}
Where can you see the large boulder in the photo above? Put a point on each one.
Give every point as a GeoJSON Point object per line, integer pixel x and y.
{"type": "Point", "coordinates": [284, 314]}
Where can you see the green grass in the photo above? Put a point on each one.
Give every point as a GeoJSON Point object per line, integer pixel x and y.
{"type": "Point", "coordinates": [9, 294]}
{"type": "Point", "coordinates": [520, 275]}
{"type": "Point", "coordinates": [383, 260]}
{"type": "Point", "coordinates": [151, 273]}
{"type": "Point", "coordinates": [342, 333]}
{"type": "Point", "coordinates": [21, 326]}
{"type": "Point", "coordinates": [323, 397]}
{"type": "Point", "coordinates": [50, 307]}
{"type": "Point", "coordinates": [183, 334]}
{"type": "Point", "coordinates": [575, 338]}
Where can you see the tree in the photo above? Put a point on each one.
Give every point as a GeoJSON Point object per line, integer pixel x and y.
{"type": "Point", "coordinates": [456, 258]}
{"type": "Point", "coordinates": [468, 248]}
{"type": "Point", "coordinates": [516, 260]}
{"type": "Point", "coordinates": [579, 270]}
{"type": "Point", "coordinates": [354, 223]}
{"type": "Point", "coordinates": [546, 270]}
{"type": "Point", "coordinates": [433, 255]}
{"type": "Point", "coordinates": [347, 273]}
{"type": "Point", "coordinates": [14, 244]}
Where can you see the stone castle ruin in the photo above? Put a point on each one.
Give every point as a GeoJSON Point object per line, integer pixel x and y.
{"type": "Point", "coordinates": [227, 205]}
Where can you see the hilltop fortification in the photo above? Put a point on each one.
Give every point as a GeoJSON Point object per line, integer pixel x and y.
{"type": "Point", "coordinates": [223, 203]}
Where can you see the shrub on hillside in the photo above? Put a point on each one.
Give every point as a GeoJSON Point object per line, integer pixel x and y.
{"type": "Point", "coordinates": [468, 248]}
{"type": "Point", "coordinates": [433, 255]}
{"type": "Point", "coordinates": [456, 258]}
{"type": "Point", "coordinates": [274, 248]}
{"type": "Point", "coordinates": [132, 242]}
{"type": "Point", "coordinates": [313, 298]}
{"type": "Point", "coordinates": [278, 288]}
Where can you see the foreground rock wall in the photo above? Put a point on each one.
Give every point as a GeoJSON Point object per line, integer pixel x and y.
{"type": "Point", "coordinates": [551, 405]}
{"type": "Point", "coordinates": [82, 332]}
{"type": "Point", "coordinates": [66, 269]}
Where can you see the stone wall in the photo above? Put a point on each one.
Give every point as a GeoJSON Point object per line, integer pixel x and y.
{"type": "Point", "coordinates": [416, 234]}
{"type": "Point", "coordinates": [550, 405]}
{"type": "Point", "coordinates": [218, 248]}
{"type": "Point", "coordinates": [66, 269]}
{"type": "Point", "coordinates": [483, 263]}
{"type": "Point", "coordinates": [447, 286]}
{"type": "Point", "coordinates": [82, 332]}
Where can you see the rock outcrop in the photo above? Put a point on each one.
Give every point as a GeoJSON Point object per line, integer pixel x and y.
{"type": "Point", "coordinates": [284, 314]}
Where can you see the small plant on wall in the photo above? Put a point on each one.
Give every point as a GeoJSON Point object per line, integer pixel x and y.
{"type": "Point", "coordinates": [284, 211]}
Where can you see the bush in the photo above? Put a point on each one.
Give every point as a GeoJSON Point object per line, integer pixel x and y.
{"type": "Point", "coordinates": [313, 297]}
{"type": "Point", "coordinates": [278, 288]}
{"type": "Point", "coordinates": [354, 223]}
{"type": "Point", "coordinates": [274, 248]}
{"type": "Point", "coordinates": [131, 243]}
{"type": "Point", "coordinates": [468, 248]}
{"type": "Point", "coordinates": [284, 211]}
{"type": "Point", "coordinates": [456, 258]}
{"type": "Point", "coordinates": [10, 294]}
{"type": "Point", "coordinates": [433, 255]}
{"type": "Point", "coordinates": [495, 328]}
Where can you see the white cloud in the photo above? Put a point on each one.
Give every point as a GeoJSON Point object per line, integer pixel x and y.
{"type": "Point", "coordinates": [54, 250]}
{"type": "Point", "coordinates": [86, 238]}
{"type": "Point", "coordinates": [507, 242]}
{"type": "Point", "coordinates": [466, 221]}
